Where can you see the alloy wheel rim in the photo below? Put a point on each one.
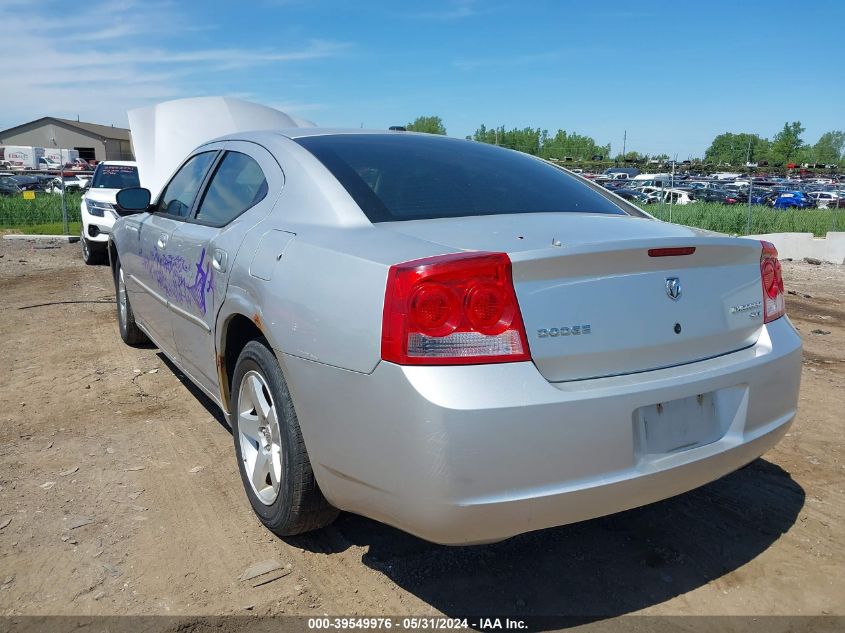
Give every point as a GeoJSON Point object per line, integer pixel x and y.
{"type": "Point", "coordinates": [260, 437]}
{"type": "Point", "coordinates": [85, 247]}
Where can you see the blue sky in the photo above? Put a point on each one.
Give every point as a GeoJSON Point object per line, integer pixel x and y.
{"type": "Point", "coordinates": [673, 74]}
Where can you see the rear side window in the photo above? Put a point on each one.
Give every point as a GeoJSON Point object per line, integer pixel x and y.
{"type": "Point", "coordinates": [178, 197]}
{"type": "Point", "coordinates": [237, 184]}
{"type": "Point", "coordinates": [415, 177]}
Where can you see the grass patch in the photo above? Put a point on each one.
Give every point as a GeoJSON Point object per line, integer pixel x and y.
{"type": "Point", "coordinates": [41, 215]}
{"type": "Point", "coordinates": [50, 228]}
{"type": "Point", "coordinates": [44, 216]}
{"type": "Point", "coordinates": [733, 219]}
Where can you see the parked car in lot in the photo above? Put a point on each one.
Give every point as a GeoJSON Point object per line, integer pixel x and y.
{"type": "Point", "coordinates": [32, 183]}
{"type": "Point", "coordinates": [632, 194]}
{"type": "Point", "coordinates": [824, 199]}
{"type": "Point", "coordinates": [669, 196]}
{"type": "Point", "coordinates": [70, 183]}
{"type": "Point", "coordinates": [460, 340]}
{"type": "Point", "coordinates": [97, 207]}
{"type": "Point", "coordinates": [758, 196]}
{"type": "Point", "coordinates": [792, 200]}
{"type": "Point", "coordinates": [716, 195]}
{"type": "Point", "coordinates": [8, 187]}
{"type": "Point", "coordinates": [78, 164]}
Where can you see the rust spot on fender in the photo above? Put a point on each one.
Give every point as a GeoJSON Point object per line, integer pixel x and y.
{"type": "Point", "coordinates": [256, 318]}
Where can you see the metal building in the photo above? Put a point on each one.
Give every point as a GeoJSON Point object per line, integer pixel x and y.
{"type": "Point", "coordinates": [93, 141]}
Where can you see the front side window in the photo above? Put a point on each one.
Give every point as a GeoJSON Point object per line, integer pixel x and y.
{"type": "Point", "coordinates": [416, 177]}
{"type": "Point", "coordinates": [237, 184]}
{"type": "Point", "coordinates": [115, 177]}
{"type": "Point", "coordinates": [178, 197]}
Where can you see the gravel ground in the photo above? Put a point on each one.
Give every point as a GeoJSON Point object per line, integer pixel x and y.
{"type": "Point", "coordinates": [119, 494]}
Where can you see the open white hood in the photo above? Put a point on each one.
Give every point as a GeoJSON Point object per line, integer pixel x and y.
{"type": "Point", "coordinates": [164, 134]}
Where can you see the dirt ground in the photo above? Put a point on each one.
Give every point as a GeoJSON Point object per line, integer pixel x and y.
{"type": "Point", "coordinates": [119, 494]}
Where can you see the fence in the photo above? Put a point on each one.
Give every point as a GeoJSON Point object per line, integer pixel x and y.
{"type": "Point", "coordinates": [738, 219]}
{"type": "Point", "coordinates": [39, 214]}
{"type": "Point", "coordinates": [43, 214]}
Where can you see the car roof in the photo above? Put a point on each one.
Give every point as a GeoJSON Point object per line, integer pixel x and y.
{"type": "Point", "coordinates": [302, 132]}
{"type": "Point", "coordinates": [130, 163]}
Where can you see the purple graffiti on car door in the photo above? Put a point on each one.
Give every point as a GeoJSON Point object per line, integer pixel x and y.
{"type": "Point", "coordinates": [203, 282]}
{"type": "Point", "coordinates": [169, 273]}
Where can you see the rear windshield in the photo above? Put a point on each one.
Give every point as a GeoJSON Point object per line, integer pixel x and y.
{"type": "Point", "coordinates": [115, 177]}
{"type": "Point", "coordinates": [416, 177]}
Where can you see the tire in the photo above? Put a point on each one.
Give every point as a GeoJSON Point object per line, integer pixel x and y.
{"type": "Point", "coordinates": [286, 497]}
{"type": "Point", "coordinates": [91, 255]}
{"type": "Point", "coordinates": [129, 330]}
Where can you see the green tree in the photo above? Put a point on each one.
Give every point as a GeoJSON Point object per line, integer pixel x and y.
{"type": "Point", "coordinates": [829, 147]}
{"type": "Point", "coordinates": [631, 157]}
{"type": "Point", "coordinates": [428, 124]}
{"type": "Point", "coordinates": [539, 142]}
{"type": "Point", "coordinates": [736, 149]}
{"type": "Point", "coordinates": [787, 143]}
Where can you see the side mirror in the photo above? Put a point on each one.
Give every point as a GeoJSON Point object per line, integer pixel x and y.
{"type": "Point", "coordinates": [132, 200]}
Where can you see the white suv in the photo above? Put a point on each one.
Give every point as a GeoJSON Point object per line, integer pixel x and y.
{"type": "Point", "coordinates": [97, 207]}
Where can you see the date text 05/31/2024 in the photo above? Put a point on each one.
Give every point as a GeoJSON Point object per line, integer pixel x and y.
{"type": "Point", "coordinates": [416, 623]}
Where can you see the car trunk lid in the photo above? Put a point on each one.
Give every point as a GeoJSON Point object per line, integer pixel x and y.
{"type": "Point", "coordinates": [594, 301]}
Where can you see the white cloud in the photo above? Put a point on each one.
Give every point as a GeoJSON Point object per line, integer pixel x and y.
{"type": "Point", "coordinates": [67, 67]}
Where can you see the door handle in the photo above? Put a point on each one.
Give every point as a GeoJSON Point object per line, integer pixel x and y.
{"type": "Point", "coordinates": [162, 240]}
{"type": "Point", "coordinates": [218, 260]}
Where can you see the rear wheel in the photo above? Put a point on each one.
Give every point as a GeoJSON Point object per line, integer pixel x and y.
{"type": "Point", "coordinates": [129, 330]}
{"type": "Point", "coordinates": [272, 459]}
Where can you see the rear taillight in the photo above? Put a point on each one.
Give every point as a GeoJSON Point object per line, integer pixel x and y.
{"type": "Point", "coordinates": [455, 309]}
{"type": "Point", "coordinates": [772, 275]}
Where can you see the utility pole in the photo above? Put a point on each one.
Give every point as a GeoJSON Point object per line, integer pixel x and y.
{"type": "Point", "coordinates": [65, 224]}
{"type": "Point", "coordinates": [750, 193]}
{"type": "Point", "coordinates": [672, 186]}
{"type": "Point", "coordinates": [624, 143]}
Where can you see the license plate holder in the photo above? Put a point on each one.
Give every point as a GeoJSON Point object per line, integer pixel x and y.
{"type": "Point", "coordinates": [678, 425]}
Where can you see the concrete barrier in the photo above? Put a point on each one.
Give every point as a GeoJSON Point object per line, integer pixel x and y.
{"type": "Point", "coordinates": [835, 248]}
{"type": "Point", "coordinates": [41, 238]}
{"type": "Point", "coordinates": [800, 245]}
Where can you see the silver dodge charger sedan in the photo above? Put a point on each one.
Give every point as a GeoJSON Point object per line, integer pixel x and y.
{"type": "Point", "coordinates": [459, 340]}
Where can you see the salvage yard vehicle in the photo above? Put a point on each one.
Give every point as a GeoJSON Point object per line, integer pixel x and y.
{"type": "Point", "coordinates": [70, 183]}
{"type": "Point", "coordinates": [96, 210]}
{"type": "Point", "coordinates": [715, 195]}
{"type": "Point", "coordinates": [8, 187]}
{"type": "Point", "coordinates": [669, 196]}
{"type": "Point", "coordinates": [462, 341]}
{"type": "Point", "coordinates": [791, 200]}
{"type": "Point", "coordinates": [632, 195]}
{"type": "Point", "coordinates": [824, 199]}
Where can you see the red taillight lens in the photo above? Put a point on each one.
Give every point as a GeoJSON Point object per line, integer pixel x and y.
{"type": "Point", "coordinates": [453, 310]}
{"type": "Point", "coordinates": [488, 308]}
{"type": "Point", "coordinates": [772, 277]}
{"type": "Point", "coordinates": [434, 309]}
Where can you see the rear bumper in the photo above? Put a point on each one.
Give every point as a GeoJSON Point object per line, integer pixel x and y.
{"type": "Point", "coordinates": [479, 453]}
